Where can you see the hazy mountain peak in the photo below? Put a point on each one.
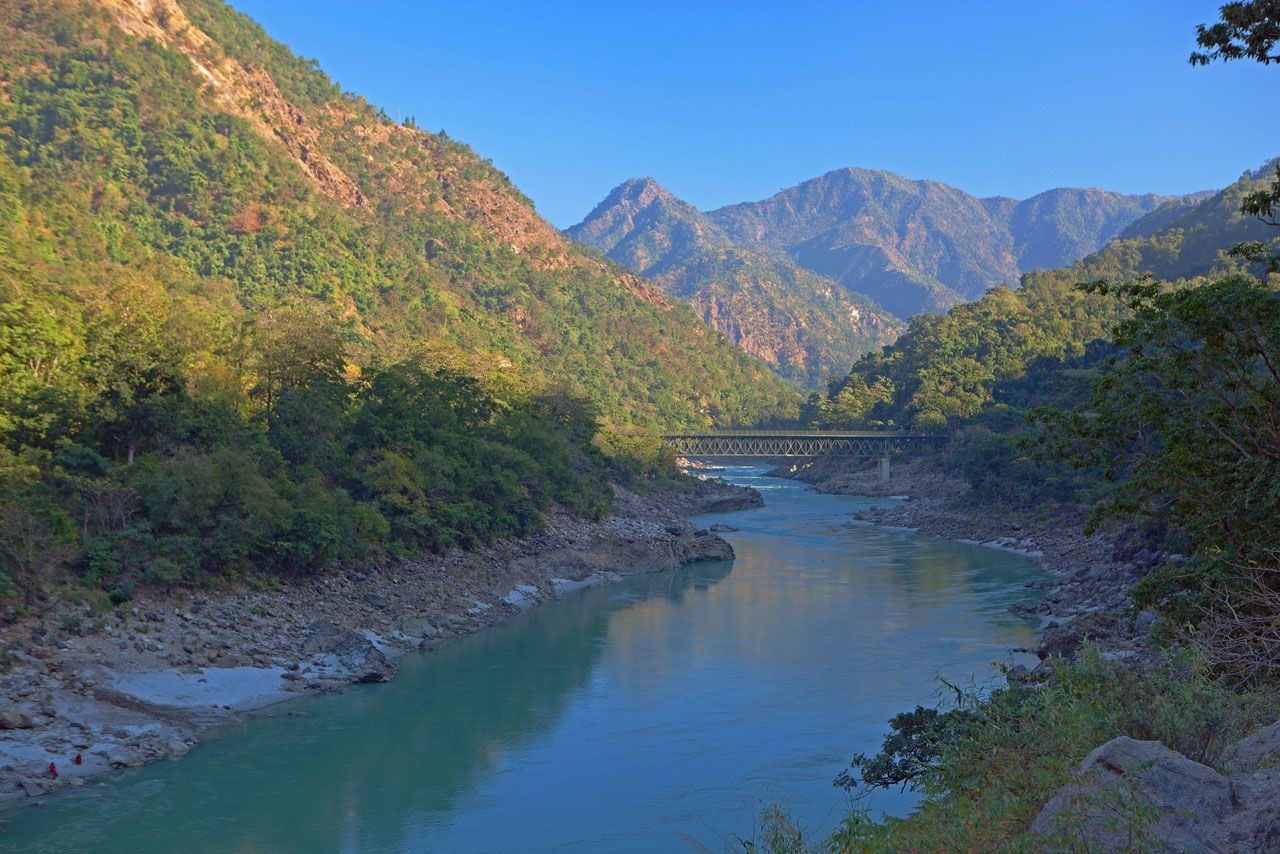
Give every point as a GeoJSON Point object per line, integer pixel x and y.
{"type": "Point", "coordinates": [804, 325]}
{"type": "Point", "coordinates": [922, 245]}
{"type": "Point", "coordinates": [641, 191]}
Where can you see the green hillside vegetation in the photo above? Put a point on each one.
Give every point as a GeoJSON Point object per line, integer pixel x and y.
{"type": "Point", "coordinates": [1146, 404]}
{"type": "Point", "coordinates": [432, 243]}
{"type": "Point", "coordinates": [1147, 394]}
{"type": "Point", "coordinates": [251, 328]}
{"type": "Point", "coordinates": [804, 326]}
{"type": "Point", "coordinates": [1186, 241]}
{"type": "Point", "coordinates": [947, 368]}
{"type": "Point", "coordinates": [978, 358]}
{"type": "Point", "coordinates": [1174, 433]}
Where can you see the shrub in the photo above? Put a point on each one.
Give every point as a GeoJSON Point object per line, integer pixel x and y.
{"type": "Point", "coordinates": [1005, 755]}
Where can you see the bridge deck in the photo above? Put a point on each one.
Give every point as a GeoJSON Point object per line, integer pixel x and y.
{"type": "Point", "coordinates": [794, 443]}
{"type": "Point", "coordinates": [830, 434]}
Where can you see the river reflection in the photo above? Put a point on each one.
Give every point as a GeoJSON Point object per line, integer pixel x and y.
{"type": "Point", "coordinates": [632, 717]}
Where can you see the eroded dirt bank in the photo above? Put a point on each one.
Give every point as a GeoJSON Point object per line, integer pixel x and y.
{"type": "Point", "coordinates": [143, 682]}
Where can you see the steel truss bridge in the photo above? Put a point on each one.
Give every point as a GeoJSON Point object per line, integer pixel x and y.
{"type": "Point", "coordinates": [795, 443]}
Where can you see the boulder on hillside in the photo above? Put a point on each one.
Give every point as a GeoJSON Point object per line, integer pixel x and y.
{"type": "Point", "coordinates": [1260, 749]}
{"type": "Point", "coordinates": [1140, 795]}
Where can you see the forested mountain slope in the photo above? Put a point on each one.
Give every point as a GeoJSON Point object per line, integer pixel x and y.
{"type": "Point", "coordinates": [251, 327]}
{"type": "Point", "coordinates": [1183, 240]}
{"type": "Point", "coordinates": [1061, 226]}
{"type": "Point", "coordinates": [176, 146]}
{"type": "Point", "coordinates": [803, 325]}
{"type": "Point", "coordinates": [950, 367]}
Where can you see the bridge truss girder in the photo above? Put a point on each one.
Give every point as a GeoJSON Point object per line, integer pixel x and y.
{"type": "Point", "coordinates": [713, 445]}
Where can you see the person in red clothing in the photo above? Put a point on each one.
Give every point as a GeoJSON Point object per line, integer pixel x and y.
{"type": "Point", "coordinates": [79, 760]}
{"type": "Point", "coordinates": [53, 770]}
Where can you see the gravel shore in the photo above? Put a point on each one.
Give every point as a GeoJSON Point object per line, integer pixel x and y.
{"type": "Point", "coordinates": [91, 692]}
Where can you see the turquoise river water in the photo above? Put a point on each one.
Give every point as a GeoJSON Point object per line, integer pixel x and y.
{"type": "Point", "coordinates": [657, 714]}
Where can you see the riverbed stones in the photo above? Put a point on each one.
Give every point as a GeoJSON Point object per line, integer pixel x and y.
{"type": "Point", "coordinates": [14, 717]}
{"type": "Point", "coordinates": [417, 627]}
{"type": "Point", "coordinates": [327, 631]}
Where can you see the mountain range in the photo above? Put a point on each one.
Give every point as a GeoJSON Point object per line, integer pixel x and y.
{"type": "Point", "coordinates": [833, 266]}
{"type": "Point", "coordinates": [802, 324]}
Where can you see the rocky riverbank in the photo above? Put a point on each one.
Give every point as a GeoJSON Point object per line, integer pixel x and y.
{"type": "Point", "coordinates": [85, 692]}
{"type": "Point", "coordinates": [1085, 596]}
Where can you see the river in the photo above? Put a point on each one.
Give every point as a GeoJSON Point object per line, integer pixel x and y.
{"type": "Point", "coordinates": [657, 714]}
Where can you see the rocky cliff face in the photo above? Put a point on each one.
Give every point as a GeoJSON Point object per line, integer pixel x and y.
{"type": "Point", "coordinates": [249, 93]}
{"type": "Point", "coordinates": [807, 327]}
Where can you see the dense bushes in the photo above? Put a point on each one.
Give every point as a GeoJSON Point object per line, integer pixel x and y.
{"type": "Point", "coordinates": [407, 459]}
{"type": "Point", "coordinates": [987, 764]}
{"type": "Point", "coordinates": [138, 445]}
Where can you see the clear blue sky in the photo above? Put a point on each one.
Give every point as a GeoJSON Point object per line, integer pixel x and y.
{"type": "Point", "coordinates": [730, 101]}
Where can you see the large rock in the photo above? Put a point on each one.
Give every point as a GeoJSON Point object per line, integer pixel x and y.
{"type": "Point", "coordinates": [322, 636]}
{"type": "Point", "coordinates": [366, 662]}
{"type": "Point", "coordinates": [13, 717]}
{"type": "Point", "coordinates": [355, 652]}
{"type": "Point", "coordinates": [1140, 795]}
{"type": "Point", "coordinates": [703, 546]}
{"type": "Point", "coordinates": [376, 600]}
{"type": "Point", "coordinates": [418, 627]}
{"type": "Point", "coordinates": [1258, 750]}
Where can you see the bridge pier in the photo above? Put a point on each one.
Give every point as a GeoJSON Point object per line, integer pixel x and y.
{"type": "Point", "coordinates": [884, 469]}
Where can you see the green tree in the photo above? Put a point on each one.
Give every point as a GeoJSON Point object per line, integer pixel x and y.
{"type": "Point", "coordinates": [1247, 30]}
{"type": "Point", "coordinates": [1186, 422]}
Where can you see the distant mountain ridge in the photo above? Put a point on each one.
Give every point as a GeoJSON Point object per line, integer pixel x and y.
{"type": "Point", "coordinates": [802, 324]}
{"type": "Point", "coordinates": [920, 245]}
